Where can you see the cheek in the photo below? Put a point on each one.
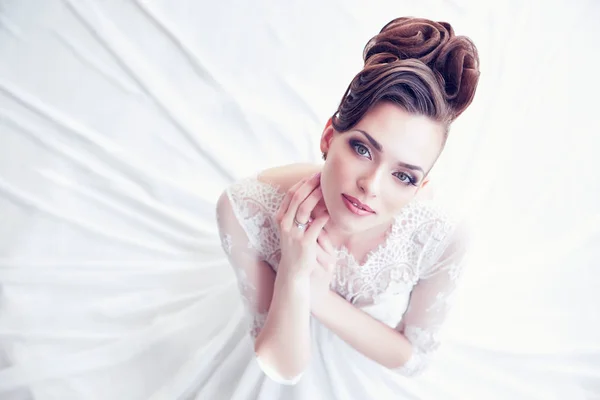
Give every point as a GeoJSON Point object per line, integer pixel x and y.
{"type": "Point", "coordinates": [397, 198]}
{"type": "Point", "coordinates": [337, 161]}
{"type": "Point", "coordinates": [336, 170]}
{"type": "Point", "coordinates": [343, 165]}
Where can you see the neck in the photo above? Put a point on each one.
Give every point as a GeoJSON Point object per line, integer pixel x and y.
{"type": "Point", "coordinates": [340, 237]}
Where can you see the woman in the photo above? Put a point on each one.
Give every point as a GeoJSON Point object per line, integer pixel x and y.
{"type": "Point", "coordinates": [345, 271]}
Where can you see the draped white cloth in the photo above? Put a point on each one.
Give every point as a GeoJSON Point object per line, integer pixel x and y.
{"type": "Point", "coordinates": [121, 122]}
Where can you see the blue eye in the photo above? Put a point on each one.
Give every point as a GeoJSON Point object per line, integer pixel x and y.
{"type": "Point", "coordinates": [408, 179]}
{"type": "Point", "coordinates": [358, 145]}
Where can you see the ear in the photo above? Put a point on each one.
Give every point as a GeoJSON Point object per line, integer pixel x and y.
{"type": "Point", "coordinates": [327, 136]}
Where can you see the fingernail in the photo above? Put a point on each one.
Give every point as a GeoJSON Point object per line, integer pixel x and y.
{"type": "Point", "coordinates": [318, 174]}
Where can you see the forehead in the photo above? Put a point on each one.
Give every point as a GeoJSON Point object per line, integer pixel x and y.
{"type": "Point", "coordinates": [406, 137]}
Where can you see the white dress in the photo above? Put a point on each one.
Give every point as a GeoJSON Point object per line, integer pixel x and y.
{"type": "Point", "coordinates": [406, 282]}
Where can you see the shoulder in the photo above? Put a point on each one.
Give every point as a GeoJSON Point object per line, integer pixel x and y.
{"type": "Point", "coordinates": [436, 228]}
{"type": "Point", "coordinates": [428, 217]}
{"type": "Point", "coordinates": [263, 192]}
{"type": "Point", "coordinates": [285, 176]}
{"type": "Point", "coordinates": [250, 203]}
{"type": "Point", "coordinates": [442, 236]}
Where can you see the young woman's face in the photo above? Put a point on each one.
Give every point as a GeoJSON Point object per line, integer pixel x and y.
{"type": "Point", "coordinates": [384, 179]}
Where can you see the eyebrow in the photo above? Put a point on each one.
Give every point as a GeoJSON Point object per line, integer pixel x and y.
{"type": "Point", "coordinates": [379, 148]}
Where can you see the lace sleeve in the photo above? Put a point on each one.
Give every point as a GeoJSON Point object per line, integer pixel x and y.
{"type": "Point", "coordinates": [254, 275]}
{"type": "Point", "coordinates": [250, 239]}
{"type": "Point", "coordinates": [430, 299]}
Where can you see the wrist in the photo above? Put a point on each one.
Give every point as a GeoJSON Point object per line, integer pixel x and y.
{"type": "Point", "coordinates": [291, 277]}
{"type": "Point", "coordinates": [294, 284]}
{"type": "Point", "coordinates": [319, 307]}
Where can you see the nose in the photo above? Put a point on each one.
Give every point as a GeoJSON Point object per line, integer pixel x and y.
{"type": "Point", "coordinates": [369, 182]}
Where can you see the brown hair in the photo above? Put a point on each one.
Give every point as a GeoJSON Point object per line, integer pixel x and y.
{"type": "Point", "coordinates": [418, 64]}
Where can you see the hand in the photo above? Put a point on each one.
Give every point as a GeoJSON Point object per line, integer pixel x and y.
{"type": "Point", "coordinates": [320, 278]}
{"type": "Point", "coordinates": [299, 246]}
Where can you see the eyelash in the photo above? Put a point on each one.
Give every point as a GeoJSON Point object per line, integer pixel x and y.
{"type": "Point", "coordinates": [355, 143]}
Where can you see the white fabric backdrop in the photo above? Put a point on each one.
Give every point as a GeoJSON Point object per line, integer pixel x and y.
{"type": "Point", "coordinates": [121, 121]}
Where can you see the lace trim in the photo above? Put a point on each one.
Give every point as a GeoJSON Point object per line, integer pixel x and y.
{"type": "Point", "coordinates": [396, 265]}
{"type": "Point", "coordinates": [255, 204]}
{"type": "Point", "coordinates": [226, 243]}
{"type": "Point", "coordinates": [425, 342]}
{"type": "Point", "coordinates": [257, 323]}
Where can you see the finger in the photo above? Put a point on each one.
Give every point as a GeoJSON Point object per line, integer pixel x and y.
{"type": "Point", "coordinates": [315, 228]}
{"type": "Point", "coordinates": [308, 205]}
{"type": "Point", "coordinates": [297, 197]}
{"type": "Point", "coordinates": [283, 207]}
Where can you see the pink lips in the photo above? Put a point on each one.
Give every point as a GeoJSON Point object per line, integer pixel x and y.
{"type": "Point", "coordinates": [355, 200]}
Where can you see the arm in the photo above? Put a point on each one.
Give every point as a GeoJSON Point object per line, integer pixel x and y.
{"type": "Point", "coordinates": [278, 309]}
{"type": "Point", "coordinates": [369, 336]}
{"type": "Point", "coordinates": [284, 342]}
{"type": "Point", "coordinates": [408, 348]}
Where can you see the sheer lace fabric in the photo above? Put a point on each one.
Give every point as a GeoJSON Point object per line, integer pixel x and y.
{"type": "Point", "coordinates": [406, 282]}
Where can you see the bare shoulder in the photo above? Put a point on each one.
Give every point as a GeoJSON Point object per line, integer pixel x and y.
{"type": "Point", "coordinates": [285, 176]}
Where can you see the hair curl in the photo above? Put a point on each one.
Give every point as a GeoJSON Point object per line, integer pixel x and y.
{"type": "Point", "coordinates": [418, 64]}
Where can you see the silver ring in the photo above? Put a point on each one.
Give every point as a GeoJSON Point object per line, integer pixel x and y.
{"type": "Point", "coordinates": [300, 225]}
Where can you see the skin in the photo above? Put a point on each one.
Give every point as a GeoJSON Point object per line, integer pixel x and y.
{"type": "Point", "coordinates": [354, 167]}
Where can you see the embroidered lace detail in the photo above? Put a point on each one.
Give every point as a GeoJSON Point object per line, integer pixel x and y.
{"type": "Point", "coordinates": [243, 223]}
{"type": "Point", "coordinates": [394, 266]}
{"type": "Point", "coordinates": [256, 324]}
{"type": "Point", "coordinates": [256, 204]}
{"type": "Point", "coordinates": [226, 243]}
{"type": "Point", "coordinates": [425, 343]}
